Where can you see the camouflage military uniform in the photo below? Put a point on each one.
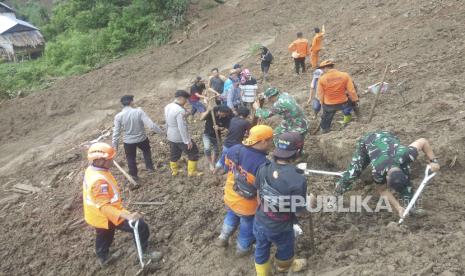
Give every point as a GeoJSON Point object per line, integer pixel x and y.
{"type": "Point", "coordinates": [383, 151]}
{"type": "Point", "coordinates": [287, 107]}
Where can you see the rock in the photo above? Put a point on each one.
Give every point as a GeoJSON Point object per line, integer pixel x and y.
{"type": "Point", "coordinates": [391, 268]}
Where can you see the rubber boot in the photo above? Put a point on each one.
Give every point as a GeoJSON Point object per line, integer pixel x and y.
{"type": "Point", "coordinates": [243, 252]}
{"type": "Point", "coordinates": [346, 120]}
{"type": "Point", "coordinates": [263, 269]}
{"type": "Point", "coordinates": [192, 168]}
{"type": "Point", "coordinates": [174, 168]}
{"type": "Point", "coordinates": [295, 265]}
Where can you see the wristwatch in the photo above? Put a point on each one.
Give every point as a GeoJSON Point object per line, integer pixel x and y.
{"type": "Point", "coordinates": [434, 160]}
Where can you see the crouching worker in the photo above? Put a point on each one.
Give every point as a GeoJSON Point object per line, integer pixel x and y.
{"type": "Point", "coordinates": [390, 164]}
{"type": "Point", "coordinates": [240, 195]}
{"type": "Point", "coordinates": [282, 191]}
{"type": "Point", "coordinates": [103, 207]}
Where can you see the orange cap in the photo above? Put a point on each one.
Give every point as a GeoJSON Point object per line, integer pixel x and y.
{"type": "Point", "coordinates": [100, 150]}
{"type": "Point", "coordinates": [258, 133]}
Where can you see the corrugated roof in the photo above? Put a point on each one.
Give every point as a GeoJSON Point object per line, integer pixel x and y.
{"type": "Point", "coordinates": [7, 23]}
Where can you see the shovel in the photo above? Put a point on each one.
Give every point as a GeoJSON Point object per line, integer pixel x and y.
{"type": "Point", "coordinates": [134, 225]}
{"type": "Point", "coordinates": [303, 166]}
{"type": "Point", "coordinates": [426, 179]}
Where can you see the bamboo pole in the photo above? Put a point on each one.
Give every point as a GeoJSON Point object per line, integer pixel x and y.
{"type": "Point", "coordinates": [373, 107]}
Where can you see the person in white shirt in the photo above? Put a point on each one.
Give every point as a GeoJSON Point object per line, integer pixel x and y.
{"type": "Point", "coordinates": [133, 121]}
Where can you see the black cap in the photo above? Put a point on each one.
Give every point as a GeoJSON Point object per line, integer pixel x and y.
{"type": "Point", "coordinates": [237, 66]}
{"type": "Point", "coordinates": [181, 93]}
{"type": "Point", "coordinates": [398, 180]}
{"type": "Point", "coordinates": [127, 99]}
{"type": "Point", "coordinates": [288, 144]}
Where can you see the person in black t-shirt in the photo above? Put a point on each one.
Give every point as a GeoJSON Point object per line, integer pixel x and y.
{"type": "Point", "coordinates": [266, 58]}
{"type": "Point", "coordinates": [282, 191]}
{"type": "Point", "coordinates": [222, 117]}
{"type": "Point", "coordinates": [238, 128]}
{"type": "Point", "coordinates": [216, 83]}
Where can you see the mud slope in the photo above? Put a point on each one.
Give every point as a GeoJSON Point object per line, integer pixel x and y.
{"type": "Point", "coordinates": [422, 41]}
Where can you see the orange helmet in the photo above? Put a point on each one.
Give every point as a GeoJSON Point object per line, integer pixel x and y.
{"type": "Point", "coordinates": [100, 150]}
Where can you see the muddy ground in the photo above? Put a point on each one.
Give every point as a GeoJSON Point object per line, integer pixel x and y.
{"type": "Point", "coordinates": [43, 232]}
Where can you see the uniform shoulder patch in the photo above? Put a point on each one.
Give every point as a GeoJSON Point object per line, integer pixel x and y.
{"type": "Point", "coordinates": [104, 188]}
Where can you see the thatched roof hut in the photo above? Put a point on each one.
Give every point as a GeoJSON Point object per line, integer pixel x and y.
{"type": "Point", "coordinates": [18, 39]}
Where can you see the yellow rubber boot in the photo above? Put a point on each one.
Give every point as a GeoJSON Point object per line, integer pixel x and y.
{"type": "Point", "coordinates": [192, 168]}
{"type": "Point", "coordinates": [263, 269]}
{"type": "Point", "coordinates": [295, 265]}
{"type": "Point", "coordinates": [347, 119]}
{"type": "Point", "coordinates": [174, 168]}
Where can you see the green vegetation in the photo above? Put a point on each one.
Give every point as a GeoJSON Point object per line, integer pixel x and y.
{"type": "Point", "coordinates": [84, 34]}
{"type": "Point", "coordinates": [254, 49]}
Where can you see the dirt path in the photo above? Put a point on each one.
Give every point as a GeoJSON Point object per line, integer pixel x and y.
{"type": "Point", "coordinates": [423, 42]}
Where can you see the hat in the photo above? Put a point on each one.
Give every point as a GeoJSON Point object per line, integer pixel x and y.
{"type": "Point", "coordinates": [288, 144]}
{"type": "Point", "coordinates": [270, 92]}
{"type": "Point", "coordinates": [325, 63]}
{"type": "Point", "coordinates": [258, 133]}
{"type": "Point", "coordinates": [237, 66]}
{"type": "Point", "coordinates": [181, 93]}
{"type": "Point", "coordinates": [398, 180]}
{"type": "Point", "coordinates": [127, 99]}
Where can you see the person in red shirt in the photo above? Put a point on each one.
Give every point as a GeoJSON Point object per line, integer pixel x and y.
{"type": "Point", "coordinates": [196, 94]}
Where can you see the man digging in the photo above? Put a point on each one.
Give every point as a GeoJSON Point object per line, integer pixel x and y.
{"type": "Point", "coordinates": [390, 162]}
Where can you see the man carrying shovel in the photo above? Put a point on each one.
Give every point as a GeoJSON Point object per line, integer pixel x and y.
{"type": "Point", "coordinates": [390, 162]}
{"type": "Point", "coordinates": [103, 208]}
{"type": "Point", "coordinates": [133, 122]}
{"type": "Point", "coordinates": [216, 119]}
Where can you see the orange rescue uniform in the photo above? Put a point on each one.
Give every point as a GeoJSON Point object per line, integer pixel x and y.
{"type": "Point", "coordinates": [101, 198]}
{"type": "Point", "coordinates": [316, 47]}
{"type": "Point", "coordinates": [301, 47]}
{"type": "Point", "coordinates": [238, 204]}
{"type": "Point", "coordinates": [332, 87]}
